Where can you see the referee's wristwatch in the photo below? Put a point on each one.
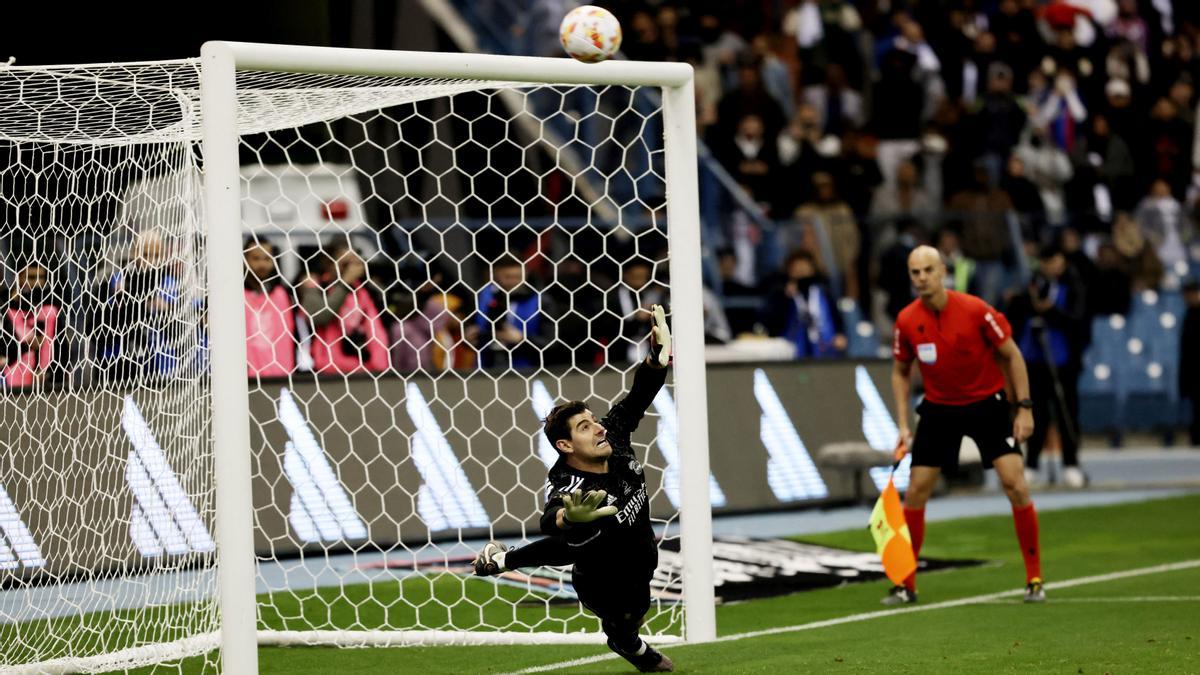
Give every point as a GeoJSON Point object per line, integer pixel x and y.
{"type": "Point", "coordinates": [1026, 403]}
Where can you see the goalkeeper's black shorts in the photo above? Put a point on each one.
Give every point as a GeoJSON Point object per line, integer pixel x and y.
{"type": "Point", "coordinates": [941, 429]}
{"type": "Point", "coordinates": [611, 597]}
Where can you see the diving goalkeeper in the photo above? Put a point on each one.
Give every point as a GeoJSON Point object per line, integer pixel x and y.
{"type": "Point", "coordinates": [597, 512]}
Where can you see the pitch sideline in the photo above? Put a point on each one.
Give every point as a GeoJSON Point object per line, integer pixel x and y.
{"type": "Point", "coordinates": [1117, 600]}
{"type": "Point", "coordinates": [867, 616]}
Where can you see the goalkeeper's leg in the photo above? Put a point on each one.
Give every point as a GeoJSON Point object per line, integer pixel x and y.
{"type": "Point", "coordinates": [496, 558]}
{"type": "Point", "coordinates": [622, 606]}
{"type": "Point", "coordinates": [624, 640]}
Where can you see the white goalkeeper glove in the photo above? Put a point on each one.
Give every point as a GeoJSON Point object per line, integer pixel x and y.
{"type": "Point", "coordinates": [660, 338]}
{"type": "Point", "coordinates": [581, 508]}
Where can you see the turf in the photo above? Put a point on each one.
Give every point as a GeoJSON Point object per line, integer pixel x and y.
{"type": "Point", "coordinates": [1115, 626]}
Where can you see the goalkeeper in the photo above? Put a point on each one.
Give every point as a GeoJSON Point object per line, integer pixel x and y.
{"type": "Point", "coordinates": [597, 510]}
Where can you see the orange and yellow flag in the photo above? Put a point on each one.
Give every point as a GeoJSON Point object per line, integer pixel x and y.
{"type": "Point", "coordinates": [892, 540]}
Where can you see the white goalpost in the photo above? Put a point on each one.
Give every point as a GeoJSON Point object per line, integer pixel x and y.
{"type": "Point", "coordinates": [286, 390]}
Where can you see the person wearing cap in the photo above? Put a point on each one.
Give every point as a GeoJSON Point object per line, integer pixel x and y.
{"type": "Point", "coordinates": [1122, 116]}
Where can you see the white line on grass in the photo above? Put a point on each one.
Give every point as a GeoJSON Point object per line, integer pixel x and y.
{"type": "Point", "coordinates": [1146, 598]}
{"type": "Point", "coordinates": [879, 614]}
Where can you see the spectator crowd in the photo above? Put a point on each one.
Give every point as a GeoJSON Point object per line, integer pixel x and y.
{"type": "Point", "coordinates": [1010, 134]}
{"type": "Point", "coordinates": [524, 313]}
{"type": "Point", "coordinates": [143, 319]}
{"type": "Point", "coordinates": [988, 128]}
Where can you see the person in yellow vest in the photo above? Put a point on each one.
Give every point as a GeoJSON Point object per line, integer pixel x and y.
{"type": "Point", "coordinates": [960, 269]}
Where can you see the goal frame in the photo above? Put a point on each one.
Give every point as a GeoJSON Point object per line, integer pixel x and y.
{"type": "Point", "coordinates": [220, 62]}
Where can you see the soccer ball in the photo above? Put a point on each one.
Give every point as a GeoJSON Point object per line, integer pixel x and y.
{"type": "Point", "coordinates": [590, 34]}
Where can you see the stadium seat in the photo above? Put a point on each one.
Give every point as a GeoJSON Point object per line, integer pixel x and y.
{"type": "Point", "coordinates": [860, 332]}
{"type": "Point", "coordinates": [1150, 376]}
{"type": "Point", "coordinates": [1099, 390]}
{"type": "Point", "coordinates": [1156, 320]}
{"type": "Point", "coordinates": [1148, 403]}
{"type": "Point", "coordinates": [1172, 301]}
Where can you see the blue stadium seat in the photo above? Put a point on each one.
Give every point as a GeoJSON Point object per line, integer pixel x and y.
{"type": "Point", "coordinates": [1150, 364]}
{"type": "Point", "coordinates": [1099, 387]}
{"type": "Point", "coordinates": [1172, 301]}
{"type": "Point", "coordinates": [1148, 403]}
{"type": "Point", "coordinates": [860, 331]}
{"type": "Point", "coordinates": [1156, 320]}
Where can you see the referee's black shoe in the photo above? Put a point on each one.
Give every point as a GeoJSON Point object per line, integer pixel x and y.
{"type": "Point", "coordinates": [899, 595]}
{"type": "Point", "coordinates": [647, 659]}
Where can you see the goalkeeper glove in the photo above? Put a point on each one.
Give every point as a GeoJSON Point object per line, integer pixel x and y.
{"type": "Point", "coordinates": [581, 508]}
{"type": "Point", "coordinates": [490, 560]}
{"type": "Point", "coordinates": [660, 338]}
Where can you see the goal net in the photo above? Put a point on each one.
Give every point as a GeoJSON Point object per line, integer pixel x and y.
{"type": "Point", "coordinates": [426, 265]}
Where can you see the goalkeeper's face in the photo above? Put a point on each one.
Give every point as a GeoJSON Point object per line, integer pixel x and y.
{"type": "Point", "coordinates": [589, 439]}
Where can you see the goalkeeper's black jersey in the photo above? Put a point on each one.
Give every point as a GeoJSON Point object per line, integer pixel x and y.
{"type": "Point", "coordinates": [622, 544]}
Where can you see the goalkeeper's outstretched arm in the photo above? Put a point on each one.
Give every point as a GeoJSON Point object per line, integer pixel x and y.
{"type": "Point", "coordinates": [649, 378]}
{"type": "Point", "coordinates": [552, 551]}
{"type": "Point", "coordinates": [660, 339]}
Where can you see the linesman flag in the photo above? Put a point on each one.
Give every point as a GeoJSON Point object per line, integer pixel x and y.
{"type": "Point", "coordinates": [892, 540]}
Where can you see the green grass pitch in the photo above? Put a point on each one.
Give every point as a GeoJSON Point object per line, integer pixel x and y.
{"type": "Point", "coordinates": [1142, 624]}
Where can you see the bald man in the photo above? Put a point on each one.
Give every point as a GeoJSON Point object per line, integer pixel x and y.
{"type": "Point", "coordinates": [965, 351]}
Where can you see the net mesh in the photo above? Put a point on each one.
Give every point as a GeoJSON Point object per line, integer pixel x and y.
{"type": "Point", "coordinates": [159, 101]}
{"type": "Point", "coordinates": [430, 265]}
{"type": "Point", "coordinates": [106, 472]}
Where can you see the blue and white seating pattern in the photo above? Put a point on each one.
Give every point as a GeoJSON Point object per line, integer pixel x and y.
{"type": "Point", "coordinates": [1130, 376]}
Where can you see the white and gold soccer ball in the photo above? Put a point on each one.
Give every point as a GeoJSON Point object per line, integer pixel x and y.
{"type": "Point", "coordinates": [590, 34]}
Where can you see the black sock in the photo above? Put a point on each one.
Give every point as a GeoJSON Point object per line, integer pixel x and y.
{"type": "Point", "coordinates": [639, 653]}
{"type": "Point", "coordinates": [628, 645]}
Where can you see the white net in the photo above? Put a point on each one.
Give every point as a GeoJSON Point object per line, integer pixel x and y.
{"type": "Point", "coordinates": [106, 509]}
{"type": "Point", "coordinates": [431, 264]}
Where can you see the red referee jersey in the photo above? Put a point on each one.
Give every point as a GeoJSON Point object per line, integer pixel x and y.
{"type": "Point", "coordinates": [953, 347]}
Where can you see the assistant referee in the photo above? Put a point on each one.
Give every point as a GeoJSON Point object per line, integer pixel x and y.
{"type": "Point", "coordinates": [965, 351]}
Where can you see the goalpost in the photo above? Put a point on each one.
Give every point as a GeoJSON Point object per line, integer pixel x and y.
{"type": "Point", "coordinates": [156, 503]}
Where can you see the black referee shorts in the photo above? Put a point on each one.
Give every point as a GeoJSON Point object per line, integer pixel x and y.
{"type": "Point", "coordinates": [941, 429]}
